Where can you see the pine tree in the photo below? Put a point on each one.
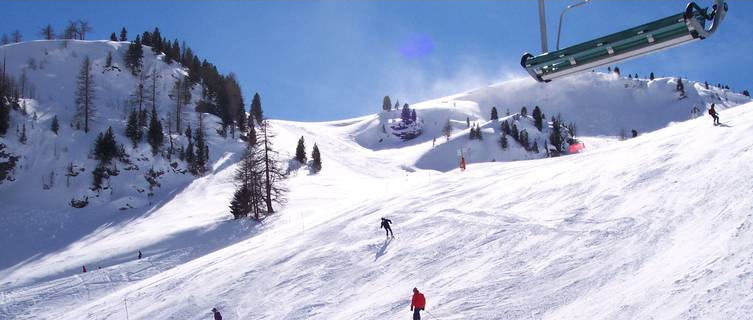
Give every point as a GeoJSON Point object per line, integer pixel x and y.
{"type": "Point", "coordinates": [4, 40]}
{"type": "Point", "coordinates": [22, 138]}
{"type": "Point", "coordinates": [523, 139]}
{"type": "Point", "coordinates": [16, 36]}
{"type": "Point", "coordinates": [413, 117]}
{"type": "Point", "coordinates": [194, 73]}
{"type": "Point", "coordinates": [405, 114]}
{"type": "Point", "coordinates": [190, 156]}
{"type": "Point", "coordinates": [47, 32]}
{"type": "Point", "coordinates": [155, 136]}
{"type": "Point", "coordinates": [4, 114]}
{"type": "Point", "coordinates": [572, 128]}
{"type": "Point", "coordinates": [239, 206]}
{"type": "Point", "coordinates": [156, 41]}
{"type": "Point", "coordinates": [538, 121]}
{"type": "Point", "coordinates": [181, 94]}
{"type": "Point", "coordinates": [746, 93]}
{"type": "Point", "coordinates": [84, 27]}
{"type": "Point", "coordinates": [256, 109]}
{"type": "Point", "coordinates": [535, 147]}
{"type": "Point", "coordinates": [146, 39]}
{"type": "Point", "coordinates": [143, 117]}
{"type": "Point", "coordinates": [300, 151]}
{"type": "Point", "coordinates": [249, 177]}
{"type": "Point", "coordinates": [108, 60]}
{"type": "Point", "coordinates": [71, 30]}
{"type": "Point", "coordinates": [617, 71]}
{"type": "Point", "coordinates": [447, 130]}
{"type": "Point", "coordinates": [99, 174]}
{"type": "Point", "coordinates": [467, 122]}
{"type": "Point", "coordinates": [138, 99]}
{"type": "Point", "coordinates": [651, 76]}
{"type": "Point", "coordinates": [706, 84]}
{"type": "Point", "coordinates": [105, 147]}
{"type": "Point", "coordinates": [152, 89]}
{"type": "Point", "coordinates": [273, 174]}
{"type": "Point", "coordinates": [251, 135]}
{"type": "Point", "coordinates": [680, 87]}
{"type": "Point", "coordinates": [316, 159]}
{"type": "Point", "coordinates": [494, 115]}
{"type": "Point", "coordinates": [505, 127]}
{"type": "Point", "coordinates": [201, 154]}
{"type": "Point", "coordinates": [386, 103]}
{"type": "Point", "coordinates": [555, 138]}
{"type": "Point", "coordinates": [241, 118]}
{"type": "Point", "coordinates": [523, 111]}
{"type": "Point", "coordinates": [134, 56]}
{"type": "Point", "coordinates": [85, 94]}
{"type": "Point", "coordinates": [514, 132]}
{"type": "Point", "coordinates": [123, 34]}
{"type": "Point", "coordinates": [55, 126]}
{"type": "Point", "coordinates": [133, 129]}
{"type": "Point", "coordinates": [503, 141]}
{"type": "Point", "coordinates": [113, 37]}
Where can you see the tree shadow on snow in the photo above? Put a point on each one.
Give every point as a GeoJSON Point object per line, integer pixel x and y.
{"type": "Point", "coordinates": [80, 224]}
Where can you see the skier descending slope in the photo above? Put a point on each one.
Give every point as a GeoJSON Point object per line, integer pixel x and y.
{"type": "Point", "coordinates": [386, 226]}
{"type": "Point", "coordinates": [217, 315]}
{"type": "Point", "coordinates": [714, 114]}
{"type": "Point", "coordinates": [417, 304]}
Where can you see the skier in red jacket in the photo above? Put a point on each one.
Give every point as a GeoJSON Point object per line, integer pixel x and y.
{"type": "Point", "coordinates": [417, 304]}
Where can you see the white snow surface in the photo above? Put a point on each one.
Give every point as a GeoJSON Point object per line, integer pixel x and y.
{"type": "Point", "coordinates": [656, 227]}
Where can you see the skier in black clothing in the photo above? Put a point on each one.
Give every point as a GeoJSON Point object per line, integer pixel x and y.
{"type": "Point", "coordinates": [714, 114]}
{"type": "Point", "coordinates": [139, 254]}
{"type": "Point", "coordinates": [386, 226]}
{"type": "Point", "coordinates": [217, 315]}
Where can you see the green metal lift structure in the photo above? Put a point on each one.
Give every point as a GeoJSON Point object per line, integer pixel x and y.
{"type": "Point", "coordinates": [675, 30]}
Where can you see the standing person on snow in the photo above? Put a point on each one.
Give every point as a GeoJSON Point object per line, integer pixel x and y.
{"type": "Point", "coordinates": [386, 226]}
{"type": "Point", "coordinates": [139, 254]}
{"type": "Point", "coordinates": [217, 315]}
{"type": "Point", "coordinates": [417, 304]}
{"type": "Point", "coordinates": [714, 114]}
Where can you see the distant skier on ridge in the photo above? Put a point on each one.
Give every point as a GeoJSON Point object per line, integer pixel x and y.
{"type": "Point", "coordinates": [417, 303]}
{"type": "Point", "coordinates": [714, 114]}
{"type": "Point", "coordinates": [386, 226]}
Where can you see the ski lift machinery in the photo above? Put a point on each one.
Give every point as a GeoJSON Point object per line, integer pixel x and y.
{"type": "Point", "coordinates": [675, 30]}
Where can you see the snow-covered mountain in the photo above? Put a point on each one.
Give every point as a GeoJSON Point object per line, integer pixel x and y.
{"type": "Point", "coordinates": [36, 215]}
{"type": "Point", "coordinates": [652, 227]}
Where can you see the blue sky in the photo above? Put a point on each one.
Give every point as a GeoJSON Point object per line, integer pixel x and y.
{"type": "Point", "coordinates": [327, 60]}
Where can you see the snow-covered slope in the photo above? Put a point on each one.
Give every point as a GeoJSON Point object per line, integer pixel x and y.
{"type": "Point", "coordinates": [653, 227]}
